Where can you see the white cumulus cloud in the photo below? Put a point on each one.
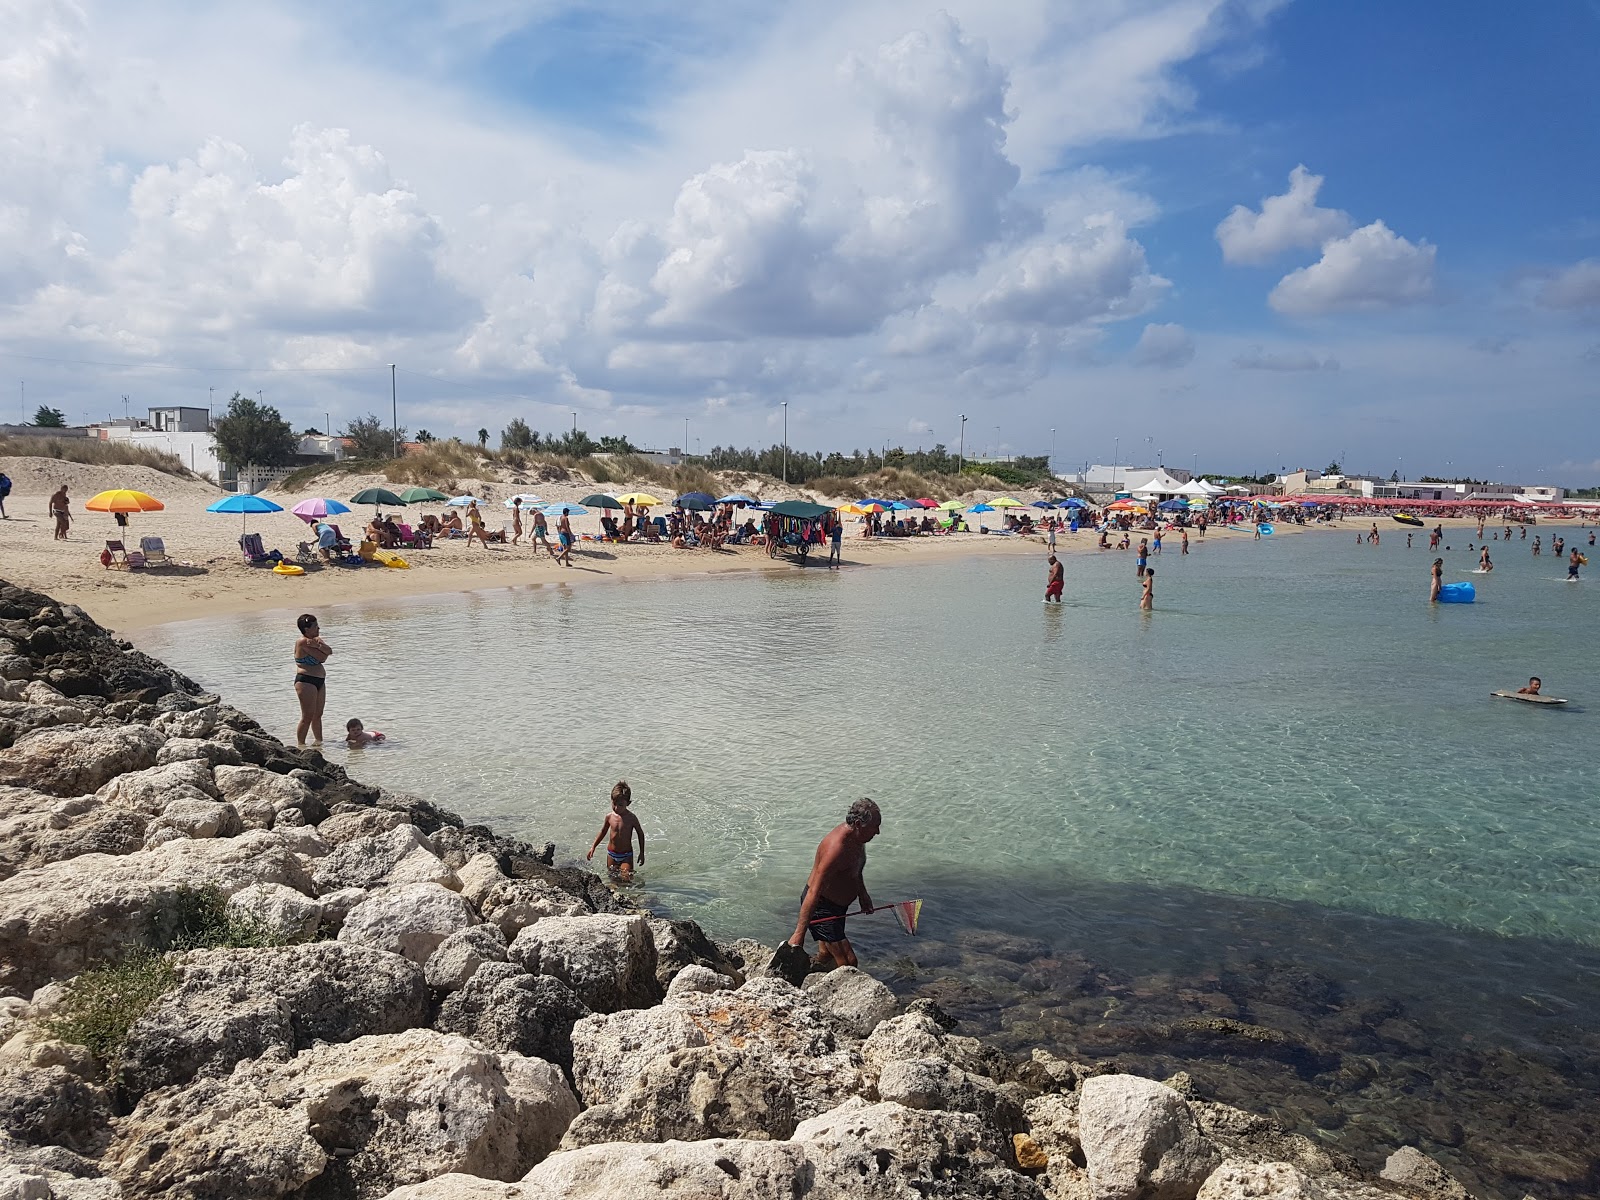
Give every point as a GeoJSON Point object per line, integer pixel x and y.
{"type": "Point", "coordinates": [1576, 287]}
{"type": "Point", "coordinates": [1098, 273]}
{"type": "Point", "coordinates": [1291, 221]}
{"type": "Point", "coordinates": [1257, 359]}
{"type": "Point", "coordinates": [1164, 346]}
{"type": "Point", "coordinates": [1373, 267]}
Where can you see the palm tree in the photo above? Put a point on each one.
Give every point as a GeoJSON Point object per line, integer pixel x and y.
{"type": "Point", "coordinates": [483, 437]}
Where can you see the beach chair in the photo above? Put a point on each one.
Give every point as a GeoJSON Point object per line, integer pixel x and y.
{"type": "Point", "coordinates": [257, 555]}
{"type": "Point", "coordinates": [303, 553]}
{"type": "Point", "coordinates": [116, 555]}
{"type": "Point", "coordinates": [154, 551]}
{"type": "Point", "coordinates": [136, 559]}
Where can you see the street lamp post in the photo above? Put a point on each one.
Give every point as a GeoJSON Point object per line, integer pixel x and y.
{"type": "Point", "coordinates": [394, 411]}
{"type": "Point", "coordinates": [1116, 447]}
{"type": "Point", "coordinates": [686, 438]}
{"type": "Point", "coordinates": [574, 425]}
{"type": "Point", "coordinates": [961, 451]}
{"type": "Point", "coordinates": [786, 441]}
{"type": "Point", "coordinates": [1052, 457]}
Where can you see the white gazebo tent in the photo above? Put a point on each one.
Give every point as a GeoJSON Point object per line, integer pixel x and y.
{"type": "Point", "coordinates": [1196, 489]}
{"type": "Point", "coordinates": [1161, 484]}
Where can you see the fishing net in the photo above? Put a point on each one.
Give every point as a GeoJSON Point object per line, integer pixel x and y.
{"type": "Point", "coordinates": [907, 913]}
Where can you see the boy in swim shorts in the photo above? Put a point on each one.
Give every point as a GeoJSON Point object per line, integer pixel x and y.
{"type": "Point", "coordinates": [620, 824]}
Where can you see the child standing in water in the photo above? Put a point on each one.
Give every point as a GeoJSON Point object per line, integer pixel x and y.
{"type": "Point", "coordinates": [620, 824]}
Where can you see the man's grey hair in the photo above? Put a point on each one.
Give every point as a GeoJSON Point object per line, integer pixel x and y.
{"type": "Point", "coordinates": [863, 814]}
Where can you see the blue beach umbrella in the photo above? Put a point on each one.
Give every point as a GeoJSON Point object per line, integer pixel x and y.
{"type": "Point", "coordinates": [1174, 506]}
{"type": "Point", "coordinates": [900, 506]}
{"type": "Point", "coordinates": [875, 500]}
{"type": "Point", "coordinates": [695, 501]}
{"type": "Point", "coordinates": [981, 508]}
{"type": "Point", "coordinates": [245, 504]}
{"type": "Point", "coordinates": [571, 510]}
{"type": "Point", "coordinates": [739, 499]}
{"type": "Point", "coordinates": [1072, 502]}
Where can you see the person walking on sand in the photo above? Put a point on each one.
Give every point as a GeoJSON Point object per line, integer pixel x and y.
{"type": "Point", "coordinates": [516, 519]}
{"type": "Point", "coordinates": [60, 509]}
{"type": "Point", "coordinates": [1438, 581]}
{"type": "Point", "coordinates": [564, 536]}
{"type": "Point", "coordinates": [5, 490]}
{"type": "Point", "coordinates": [1147, 597]}
{"type": "Point", "coordinates": [1055, 581]}
{"type": "Point", "coordinates": [835, 881]}
{"type": "Point", "coordinates": [541, 533]}
{"type": "Point", "coordinates": [310, 678]}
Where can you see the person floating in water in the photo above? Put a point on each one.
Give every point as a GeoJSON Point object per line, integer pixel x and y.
{"type": "Point", "coordinates": [1438, 581]}
{"type": "Point", "coordinates": [1054, 581]}
{"type": "Point", "coordinates": [356, 734]}
{"type": "Point", "coordinates": [1534, 684]}
{"type": "Point", "coordinates": [620, 824]}
{"type": "Point", "coordinates": [835, 881]}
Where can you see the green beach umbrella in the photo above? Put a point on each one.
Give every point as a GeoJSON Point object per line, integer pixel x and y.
{"type": "Point", "coordinates": [421, 495]}
{"type": "Point", "coordinates": [953, 506]}
{"type": "Point", "coordinates": [377, 497]}
{"type": "Point", "coordinates": [601, 500]}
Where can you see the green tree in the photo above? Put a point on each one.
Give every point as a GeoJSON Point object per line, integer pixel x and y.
{"type": "Point", "coordinates": [373, 438]}
{"type": "Point", "coordinates": [517, 436]}
{"type": "Point", "coordinates": [50, 418]}
{"type": "Point", "coordinates": [252, 434]}
{"type": "Point", "coordinates": [616, 444]}
{"type": "Point", "coordinates": [425, 437]}
{"type": "Point", "coordinates": [483, 437]}
{"type": "Point", "coordinates": [1332, 468]}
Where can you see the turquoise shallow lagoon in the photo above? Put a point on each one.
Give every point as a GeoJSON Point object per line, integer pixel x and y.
{"type": "Point", "coordinates": [1293, 760]}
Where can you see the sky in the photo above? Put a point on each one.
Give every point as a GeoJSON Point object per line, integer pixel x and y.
{"type": "Point", "coordinates": [1238, 235]}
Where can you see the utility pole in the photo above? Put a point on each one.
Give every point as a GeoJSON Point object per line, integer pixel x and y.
{"type": "Point", "coordinates": [962, 449]}
{"type": "Point", "coordinates": [211, 405]}
{"type": "Point", "coordinates": [686, 437]}
{"type": "Point", "coordinates": [1051, 459]}
{"type": "Point", "coordinates": [394, 411]}
{"type": "Point", "coordinates": [327, 424]}
{"type": "Point", "coordinates": [22, 402]}
{"type": "Point", "coordinates": [786, 441]}
{"type": "Point", "coordinates": [574, 426]}
{"type": "Point", "coordinates": [1116, 447]}
{"type": "Point", "coordinates": [124, 407]}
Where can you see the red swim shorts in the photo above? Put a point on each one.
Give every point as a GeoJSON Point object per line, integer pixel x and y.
{"type": "Point", "coordinates": [1054, 590]}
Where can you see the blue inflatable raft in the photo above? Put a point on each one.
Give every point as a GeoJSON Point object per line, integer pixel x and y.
{"type": "Point", "coordinates": [1457, 593]}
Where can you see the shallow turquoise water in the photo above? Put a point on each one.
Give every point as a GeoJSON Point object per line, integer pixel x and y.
{"type": "Point", "coordinates": [1293, 722]}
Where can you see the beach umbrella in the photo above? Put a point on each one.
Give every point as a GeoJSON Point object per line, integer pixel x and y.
{"type": "Point", "coordinates": [1007, 502]}
{"type": "Point", "coordinates": [529, 500]}
{"type": "Point", "coordinates": [695, 501]}
{"type": "Point", "coordinates": [245, 504]}
{"type": "Point", "coordinates": [464, 501]}
{"type": "Point", "coordinates": [873, 500]}
{"type": "Point", "coordinates": [123, 500]}
{"type": "Point", "coordinates": [601, 500]}
{"type": "Point", "coordinates": [982, 508]}
{"type": "Point", "coordinates": [376, 496]}
{"type": "Point", "coordinates": [1072, 502]}
{"type": "Point", "coordinates": [900, 506]}
{"type": "Point", "coordinates": [802, 510]}
{"type": "Point", "coordinates": [1173, 506]}
{"type": "Point", "coordinates": [1041, 504]}
{"type": "Point", "coordinates": [871, 506]}
{"type": "Point", "coordinates": [952, 506]}
{"type": "Point", "coordinates": [738, 498]}
{"type": "Point", "coordinates": [417, 495]}
{"type": "Point", "coordinates": [317, 507]}
{"type": "Point", "coordinates": [644, 498]}
{"type": "Point", "coordinates": [928, 502]}
{"type": "Point", "coordinates": [854, 510]}
{"type": "Point", "coordinates": [570, 508]}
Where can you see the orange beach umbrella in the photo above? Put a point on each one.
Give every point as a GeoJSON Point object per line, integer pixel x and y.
{"type": "Point", "coordinates": [123, 500]}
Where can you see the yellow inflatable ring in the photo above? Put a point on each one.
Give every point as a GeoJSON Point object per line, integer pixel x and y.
{"type": "Point", "coordinates": [288, 569]}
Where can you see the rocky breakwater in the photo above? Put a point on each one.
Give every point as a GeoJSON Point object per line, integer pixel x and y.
{"type": "Point", "coordinates": [229, 971]}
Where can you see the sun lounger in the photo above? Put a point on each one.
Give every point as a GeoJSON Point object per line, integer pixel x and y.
{"type": "Point", "coordinates": [154, 551]}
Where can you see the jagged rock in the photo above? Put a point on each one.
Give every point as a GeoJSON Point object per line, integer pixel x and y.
{"type": "Point", "coordinates": [720, 1169]}
{"type": "Point", "coordinates": [1236, 1180]}
{"type": "Point", "coordinates": [237, 1004]}
{"type": "Point", "coordinates": [214, 754]}
{"type": "Point", "coordinates": [934, 1084]}
{"type": "Point", "coordinates": [336, 906]}
{"type": "Point", "coordinates": [282, 911]}
{"type": "Point", "coordinates": [152, 791]}
{"type": "Point", "coordinates": [197, 817]}
{"type": "Point", "coordinates": [71, 760]}
{"type": "Point", "coordinates": [1029, 1154]}
{"type": "Point", "coordinates": [681, 944]}
{"type": "Point", "coordinates": [253, 783]}
{"type": "Point", "coordinates": [505, 1008]}
{"type": "Point", "coordinates": [853, 1000]}
{"type": "Point", "coordinates": [30, 1180]}
{"type": "Point", "coordinates": [302, 839]}
{"type": "Point", "coordinates": [363, 822]}
{"type": "Point", "coordinates": [766, 1019]}
{"type": "Point", "coordinates": [422, 866]}
{"type": "Point", "coordinates": [915, 1035]}
{"type": "Point", "coordinates": [1251, 1137]}
{"type": "Point", "coordinates": [1053, 1124]}
{"type": "Point", "coordinates": [255, 813]}
{"type": "Point", "coordinates": [157, 835]}
{"type": "Point", "coordinates": [55, 920]}
{"type": "Point", "coordinates": [479, 875]}
{"type": "Point", "coordinates": [50, 1105]}
{"type": "Point", "coordinates": [103, 831]}
{"type": "Point", "coordinates": [887, 1150]}
{"type": "Point", "coordinates": [409, 919]}
{"type": "Point", "coordinates": [462, 953]}
{"type": "Point", "coordinates": [359, 1119]}
{"type": "Point", "coordinates": [1140, 1140]}
{"type": "Point", "coordinates": [695, 978]}
{"type": "Point", "coordinates": [609, 961]}
{"type": "Point", "coordinates": [455, 1186]}
{"type": "Point", "coordinates": [691, 1095]}
{"type": "Point", "coordinates": [363, 861]}
{"type": "Point", "coordinates": [195, 723]}
{"type": "Point", "coordinates": [518, 903]}
{"type": "Point", "coordinates": [1413, 1169]}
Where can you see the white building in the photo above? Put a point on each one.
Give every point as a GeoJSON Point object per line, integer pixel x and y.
{"type": "Point", "coordinates": [1103, 482]}
{"type": "Point", "coordinates": [182, 432]}
{"type": "Point", "coordinates": [1516, 491]}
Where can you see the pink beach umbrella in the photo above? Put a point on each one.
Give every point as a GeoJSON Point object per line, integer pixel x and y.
{"type": "Point", "coordinates": [317, 508]}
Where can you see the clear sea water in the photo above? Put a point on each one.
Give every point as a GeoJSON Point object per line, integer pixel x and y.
{"type": "Point", "coordinates": [1294, 756]}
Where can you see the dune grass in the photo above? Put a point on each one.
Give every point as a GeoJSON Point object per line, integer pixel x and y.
{"type": "Point", "coordinates": [95, 452]}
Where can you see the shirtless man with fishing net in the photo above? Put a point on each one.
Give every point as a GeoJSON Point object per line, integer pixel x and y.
{"type": "Point", "coordinates": [836, 882]}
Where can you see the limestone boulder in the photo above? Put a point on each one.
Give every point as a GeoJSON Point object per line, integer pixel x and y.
{"type": "Point", "coordinates": [502, 1007]}
{"type": "Point", "coordinates": [364, 861]}
{"type": "Point", "coordinates": [1238, 1180]}
{"type": "Point", "coordinates": [681, 944]}
{"type": "Point", "coordinates": [72, 759]}
{"type": "Point", "coordinates": [21, 1179]}
{"type": "Point", "coordinates": [363, 822]}
{"type": "Point", "coordinates": [854, 1001]}
{"type": "Point", "coordinates": [198, 817]}
{"type": "Point", "coordinates": [695, 978]}
{"type": "Point", "coordinates": [461, 954]}
{"type": "Point", "coordinates": [214, 754]}
{"type": "Point", "coordinates": [767, 1019]}
{"type": "Point", "coordinates": [152, 791]}
{"type": "Point", "coordinates": [478, 875]}
{"type": "Point", "coordinates": [456, 1186]}
{"type": "Point", "coordinates": [410, 919]}
{"type": "Point", "coordinates": [288, 915]}
{"type": "Point", "coordinates": [609, 960]}
{"type": "Point", "coordinates": [358, 1120]}
{"type": "Point", "coordinates": [255, 813]}
{"type": "Point", "coordinates": [914, 1035]}
{"type": "Point", "coordinates": [720, 1169]}
{"type": "Point", "coordinates": [58, 919]}
{"type": "Point", "coordinates": [1140, 1140]}
{"type": "Point", "coordinates": [101, 830]}
{"type": "Point", "coordinates": [239, 1004]}
{"type": "Point", "coordinates": [249, 782]}
{"type": "Point", "coordinates": [888, 1150]}
{"type": "Point", "coordinates": [514, 904]}
{"type": "Point", "coordinates": [1413, 1169]}
{"type": "Point", "coordinates": [936, 1085]}
{"type": "Point", "coordinates": [50, 1105]}
{"type": "Point", "coordinates": [193, 723]}
{"type": "Point", "coordinates": [336, 906]}
{"type": "Point", "coordinates": [1053, 1124]}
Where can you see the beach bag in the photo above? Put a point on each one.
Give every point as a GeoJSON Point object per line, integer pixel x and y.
{"type": "Point", "coordinates": [5, 485]}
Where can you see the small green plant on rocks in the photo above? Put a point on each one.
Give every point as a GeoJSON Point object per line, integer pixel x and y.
{"type": "Point", "coordinates": [101, 1005]}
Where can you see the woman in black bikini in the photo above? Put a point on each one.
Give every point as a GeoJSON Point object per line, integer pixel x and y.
{"type": "Point", "coordinates": [310, 678]}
